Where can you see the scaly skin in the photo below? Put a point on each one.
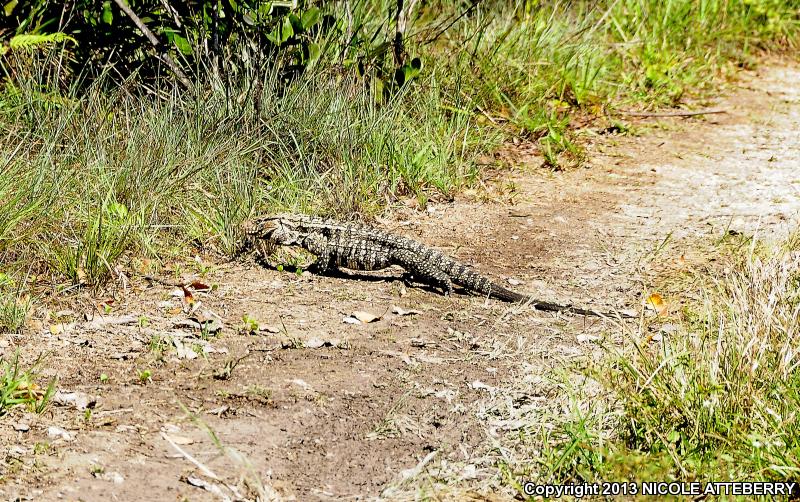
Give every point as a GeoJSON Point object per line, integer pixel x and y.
{"type": "Point", "coordinates": [361, 247]}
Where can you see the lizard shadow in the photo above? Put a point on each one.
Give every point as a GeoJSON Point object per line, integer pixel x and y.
{"type": "Point", "coordinates": [354, 275]}
{"type": "Point", "coordinates": [405, 278]}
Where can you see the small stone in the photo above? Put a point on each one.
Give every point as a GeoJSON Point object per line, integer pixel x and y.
{"type": "Point", "coordinates": [187, 323]}
{"type": "Point", "coordinates": [365, 317]}
{"type": "Point", "coordinates": [21, 427]}
{"type": "Point", "coordinates": [669, 328]}
{"type": "Point", "coordinates": [301, 383]}
{"type": "Point", "coordinates": [58, 433]}
{"type": "Point", "coordinates": [403, 312]}
{"type": "Point", "coordinates": [181, 440]}
{"type": "Point", "coordinates": [114, 477]}
{"type": "Point", "coordinates": [314, 343]}
{"type": "Point", "coordinates": [219, 411]}
{"type": "Point", "coordinates": [79, 400]}
{"type": "Point", "coordinates": [212, 325]}
{"type": "Point", "coordinates": [170, 428]}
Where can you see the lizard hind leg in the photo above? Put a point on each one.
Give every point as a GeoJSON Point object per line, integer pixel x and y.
{"type": "Point", "coordinates": [438, 279]}
{"type": "Point", "coordinates": [423, 271]}
{"type": "Point", "coordinates": [446, 284]}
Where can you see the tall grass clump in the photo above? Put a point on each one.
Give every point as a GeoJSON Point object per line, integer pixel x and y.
{"type": "Point", "coordinates": [18, 387]}
{"type": "Point", "coordinates": [93, 174]}
{"type": "Point", "coordinates": [14, 305]}
{"type": "Point", "coordinates": [715, 399]}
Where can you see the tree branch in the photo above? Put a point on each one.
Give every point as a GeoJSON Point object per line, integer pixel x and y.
{"type": "Point", "coordinates": [398, 34]}
{"type": "Point", "coordinates": [163, 56]}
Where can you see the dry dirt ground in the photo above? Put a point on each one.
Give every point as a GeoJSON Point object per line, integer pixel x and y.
{"type": "Point", "coordinates": [322, 409]}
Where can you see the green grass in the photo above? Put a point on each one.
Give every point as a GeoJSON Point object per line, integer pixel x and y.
{"type": "Point", "coordinates": [89, 177]}
{"type": "Point", "coordinates": [14, 306]}
{"type": "Point", "coordinates": [716, 399]}
{"type": "Point", "coordinates": [111, 173]}
{"type": "Point", "coordinates": [13, 312]}
{"type": "Point", "coordinates": [545, 64]}
{"type": "Point", "coordinates": [18, 387]}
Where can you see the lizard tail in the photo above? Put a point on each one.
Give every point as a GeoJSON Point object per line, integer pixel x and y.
{"type": "Point", "coordinates": [502, 293]}
{"type": "Point", "coordinates": [476, 283]}
{"type": "Point", "coordinates": [472, 281]}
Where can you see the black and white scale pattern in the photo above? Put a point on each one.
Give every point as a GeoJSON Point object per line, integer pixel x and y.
{"type": "Point", "coordinates": [356, 246]}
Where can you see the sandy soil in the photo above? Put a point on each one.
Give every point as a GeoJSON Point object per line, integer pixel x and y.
{"type": "Point", "coordinates": [310, 407]}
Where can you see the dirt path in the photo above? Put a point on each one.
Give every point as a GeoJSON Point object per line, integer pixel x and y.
{"type": "Point", "coordinates": [324, 409]}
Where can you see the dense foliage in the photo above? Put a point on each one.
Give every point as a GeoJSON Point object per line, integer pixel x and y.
{"type": "Point", "coordinates": [191, 37]}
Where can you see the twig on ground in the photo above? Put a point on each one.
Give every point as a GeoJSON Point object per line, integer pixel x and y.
{"type": "Point", "coordinates": [205, 470]}
{"type": "Point", "coordinates": [165, 282]}
{"type": "Point", "coordinates": [209, 487]}
{"type": "Point", "coordinates": [682, 113]}
{"type": "Point", "coordinates": [104, 413]}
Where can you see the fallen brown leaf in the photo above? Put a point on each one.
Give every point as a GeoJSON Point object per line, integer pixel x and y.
{"type": "Point", "coordinates": [656, 303]}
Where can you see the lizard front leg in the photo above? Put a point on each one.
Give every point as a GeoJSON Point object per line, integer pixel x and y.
{"type": "Point", "coordinates": [317, 244]}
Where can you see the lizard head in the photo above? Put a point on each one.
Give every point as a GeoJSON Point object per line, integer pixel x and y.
{"type": "Point", "coordinates": [277, 229]}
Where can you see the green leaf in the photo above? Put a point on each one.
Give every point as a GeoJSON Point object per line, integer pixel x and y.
{"type": "Point", "coordinates": [31, 40]}
{"type": "Point", "coordinates": [264, 10]}
{"type": "Point", "coordinates": [108, 15]}
{"type": "Point", "coordinates": [117, 211]}
{"type": "Point", "coordinates": [297, 25]}
{"type": "Point", "coordinates": [310, 17]}
{"type": "Point", "coordinates": [281, 33]}
{"type": "Point", "coordinates": [287, 30]}
{"type": "Point", "coordinates": [673, 436]}
{"type": "Point", "coordinates": [182, 44]}
{"type": "Point", "coordinates": [274, 36]}
{"type": "Point", "coordinates": [9, 7]}
{"type": "Point", "coordinates": [378, 89]}
{"type": "Point", "coordinates": [313, 52]}
{"type": "Point", "coordinates": [411, 70]}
